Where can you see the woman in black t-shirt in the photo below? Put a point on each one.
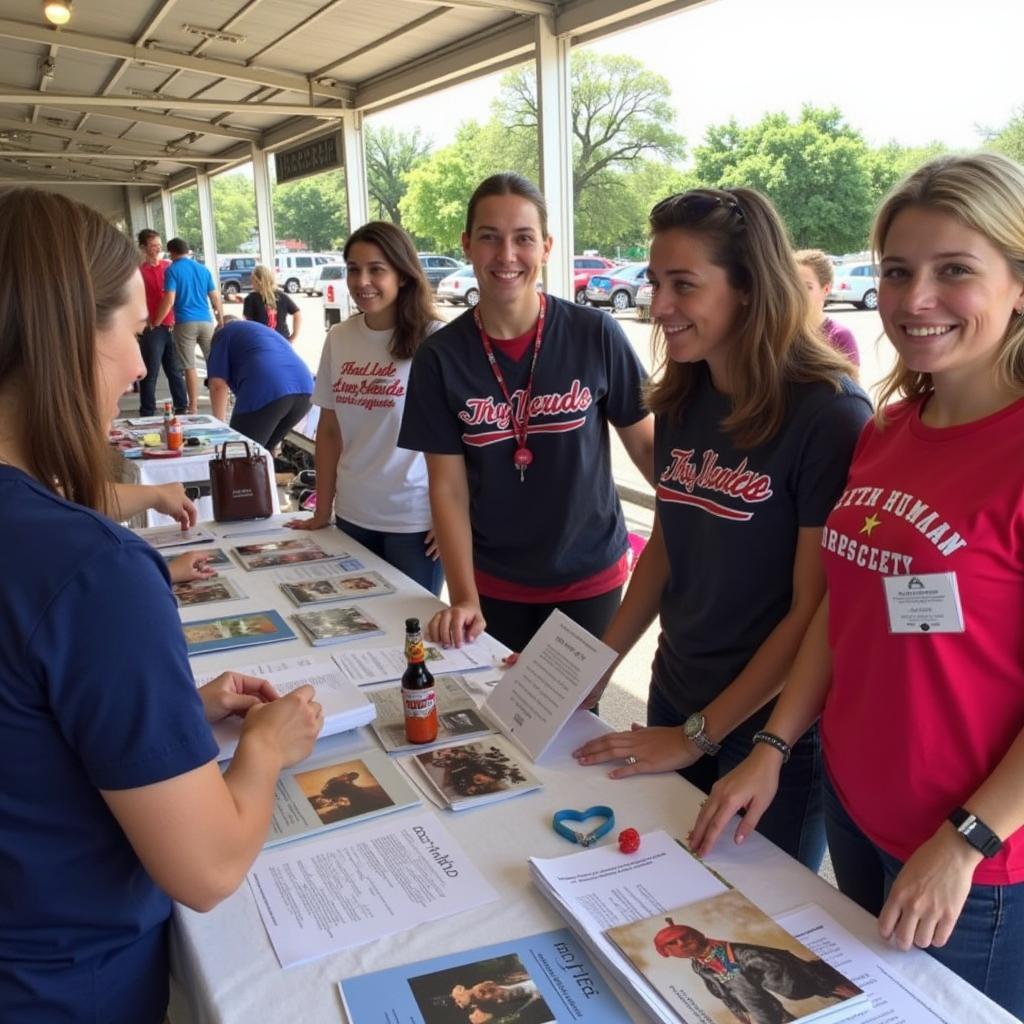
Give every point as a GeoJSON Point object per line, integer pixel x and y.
{"type": "Point", "coordinates": [267, 304]}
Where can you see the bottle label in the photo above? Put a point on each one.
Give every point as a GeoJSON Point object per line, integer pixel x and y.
{"type": "Point", "coordinates": [414, 649]}
{"type": "Point", "coordinates": [419, 703]}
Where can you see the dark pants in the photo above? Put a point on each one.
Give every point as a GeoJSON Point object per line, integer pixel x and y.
{"type": "Point", "coordinates": [794, 821]}
{"type": "Point", "coordinates": [157, 347]}
{"type": "Point", "coordinates": [405, 551]}
{"type": "Point", "coordinates": [515, 622]}
{"type": "Point", "coordinates": [984, 948]}
{"type": "Point", "coordinates": [268, 424]}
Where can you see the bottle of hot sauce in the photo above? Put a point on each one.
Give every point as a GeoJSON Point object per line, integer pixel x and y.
{"type": "Point", "coordinates": [175, 433]}
{"type": "Point", "coordinates": [419, 698]}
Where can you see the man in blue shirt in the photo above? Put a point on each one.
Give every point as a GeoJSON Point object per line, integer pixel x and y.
{"type": "Point", "coordinates": [189, 287]}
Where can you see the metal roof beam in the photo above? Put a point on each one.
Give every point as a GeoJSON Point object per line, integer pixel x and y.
{"type": "Point", "coordinates": [63, 154]}
{"type": "Point", "coordinates": [529, 7]}
{"type": "Point", "coordinates": [150, 53]}
{"type": "Point", "coordinates": [594, 18]}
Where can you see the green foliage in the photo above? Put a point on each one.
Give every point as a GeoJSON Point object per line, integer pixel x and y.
{"type": "Point", "coordinates": [1009, 140]}
{"type": "Point", "coordinates": [234, 210]}
{"type": "Point", "coordinates": [390, 156]}
{"type": "Point", "coordinates": [814, 170]}
{"type": "Point", "coordinates": [892, 163]}
{"type": "Point", "coordinates": [312, 210]}
{"type": "Point", "coordinates": [186, 217]}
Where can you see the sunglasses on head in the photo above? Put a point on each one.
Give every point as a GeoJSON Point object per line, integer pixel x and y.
{"type": "Point", "coordinates": [695, 206]}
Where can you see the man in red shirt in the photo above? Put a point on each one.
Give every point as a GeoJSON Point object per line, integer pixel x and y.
{"type": "Point", "coordinates": [156, 342]}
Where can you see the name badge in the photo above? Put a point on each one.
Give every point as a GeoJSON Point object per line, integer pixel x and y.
{"type": "Point", "coordinates": [929, 603]}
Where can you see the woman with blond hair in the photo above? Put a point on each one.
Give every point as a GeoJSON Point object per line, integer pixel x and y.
{"type": "Point", "coordinates": [112, 801]}
{"type": "Point", "coordinates": [915, 661]}
{"type": "Point", "coordinates": [755, 423]}
{"type": "Point", "coordinates": [267, 304]}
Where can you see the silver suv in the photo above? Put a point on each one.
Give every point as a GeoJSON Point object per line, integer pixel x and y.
{"type": "Point", "coordinates": [856, 283]}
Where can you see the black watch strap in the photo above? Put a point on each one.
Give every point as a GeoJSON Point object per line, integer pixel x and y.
{"type": "Point", "coordinates": [976, 832]}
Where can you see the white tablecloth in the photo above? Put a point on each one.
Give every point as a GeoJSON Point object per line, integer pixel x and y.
{"type": "Point", "coordinates": [224, 966]}
{"type": "Point", "coordinates": [189, 469]}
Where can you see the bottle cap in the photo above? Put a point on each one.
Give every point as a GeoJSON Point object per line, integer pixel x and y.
{"type": "Point", "coordinates": [412, 625]}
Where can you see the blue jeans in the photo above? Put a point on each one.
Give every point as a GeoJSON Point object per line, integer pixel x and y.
{"type": "Point", "coordinates": [405, 551]}
{"type": "Point", "coordinates": [794, 820]}
{"type": "Point", "coordinates": [985, 947]}
{"type": "Point", "coordinates": [157, 349]}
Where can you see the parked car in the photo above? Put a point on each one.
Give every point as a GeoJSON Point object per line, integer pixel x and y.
{"type": "Point", "coordinates": [459, 288]}
{"type": "Point", "coordinates": [856, 283]}
{"type": "Point", "coordinates": [618, 287]}
{"type": "Point", "coordinates": [235, 274]}
{"type": "Point", "coordinates": [583, 269]}
{"type": "Point", "coordinates": [437, 268]}
{"type": "Point", "coordinates": [644, 294]}
{"type": "Point", "coordinates": [300, 271]}
{"type": "Point", "coordinates": [337, 301]}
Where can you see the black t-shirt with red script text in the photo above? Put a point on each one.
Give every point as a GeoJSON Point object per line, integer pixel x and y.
{"type": "Point", "coordinates": [730, 518]}
{"type": "Point", "coordinates": [563, 521]}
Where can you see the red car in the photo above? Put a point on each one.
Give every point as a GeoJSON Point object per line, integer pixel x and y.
{"type": "Point", "coordinates": [584, 268]}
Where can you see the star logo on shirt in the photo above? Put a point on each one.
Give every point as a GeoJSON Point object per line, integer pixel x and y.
{"type": "Point", "coordinates": [870, 522]}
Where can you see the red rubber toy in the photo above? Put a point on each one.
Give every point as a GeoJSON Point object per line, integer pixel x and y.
{"type": "Point", "coordinates": [629, 840]}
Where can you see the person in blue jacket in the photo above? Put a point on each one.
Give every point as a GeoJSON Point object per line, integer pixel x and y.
{"type": "Point", "coordinates": [271, 384]}
{"type": "Point", "coordinates": [112, 803]}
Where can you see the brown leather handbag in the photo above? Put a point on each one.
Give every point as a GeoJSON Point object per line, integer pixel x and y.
{"type": "Point", "coordinates": [240, 485]}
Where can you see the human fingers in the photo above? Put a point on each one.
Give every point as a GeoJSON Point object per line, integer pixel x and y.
{"type": "Point", "coordinates": [741, 789]}
{"type": "Point", "coordinates": [238, 703]}
{"type": "Point", "coordinates": [190, 511]}
{"type": "Point", "coordinates": [604, 748]}
{"type": "Point", "coordinates": [255, 686]}
{"type": "Point", "coordinates": [475, 626]}
{"type": "Point", "coordinates": [430, 545]}
{"type": "Point", "coordinates": [438, 628]}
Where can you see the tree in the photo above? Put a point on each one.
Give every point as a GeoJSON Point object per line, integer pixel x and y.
{"type": "Point", "coordinates": [390, 156]}
{"type": "Point", "coordinates": [892, 163]}
{"type": "Point", "coordinates": [234, 210]}
{"type": "Point", "coordinates": [1009, 140]}
{"type": "Point", "coordinates": [814, 170]}
{"type": "Point", "coordinates": [312, 210]}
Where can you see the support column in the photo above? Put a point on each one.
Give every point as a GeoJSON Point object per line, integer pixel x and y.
{"type": "Point", "coordinates": [554, 128]}
{"type": "Point", "coordinates": [264, 205]}
{"type": "Point", "coordinates": [207, 225]}
{"type": "Point", "coordinates": [137, 216]}
{"type": "Point", "coordinates": [167, 205]}
{"type": "Point", "coordinates": [353, 146]}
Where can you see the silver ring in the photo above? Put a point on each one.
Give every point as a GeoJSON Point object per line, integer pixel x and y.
{"type": "Point", "coordinates": [631, 760]}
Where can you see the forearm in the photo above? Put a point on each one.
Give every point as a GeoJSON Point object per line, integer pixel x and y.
{"type": "Point", "coordinates": [131, 499]}
{"type": "Point", "coordinates": [296, 326]}
{"type": "Point", "coordinates": [449, 510]}
{"type": "Point", "coordinates": [326, 456]}
{"type": "Point", "coordinates": [163, 309]}
{"type": "Point", "coordinates": [218, 398]}
{"type": "Point", "coordinates": [218, 309]}
{"type": "Point", "coordinates": [999, 800]}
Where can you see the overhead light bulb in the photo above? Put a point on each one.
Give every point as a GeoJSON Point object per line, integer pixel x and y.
{"type": "Point", "coordinates": [57, 12]}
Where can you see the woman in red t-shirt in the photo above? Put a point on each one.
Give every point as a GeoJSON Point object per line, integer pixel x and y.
{"type": "Point", "coordinates": [915, 661]}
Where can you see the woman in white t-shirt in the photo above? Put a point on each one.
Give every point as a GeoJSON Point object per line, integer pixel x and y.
{"type": "Point", "coordinates": [377, 491]}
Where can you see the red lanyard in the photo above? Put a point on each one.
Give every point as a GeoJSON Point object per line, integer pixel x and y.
{"type": "Point", "coordinates": [522, 457]}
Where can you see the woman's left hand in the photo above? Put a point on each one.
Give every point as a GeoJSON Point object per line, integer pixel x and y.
{"type": "Point", "coordinates": [929, 893]}
{"type": "Point", "coordinates": [234, 693]}
{"type": "Point", "coordinates": [656, 748]}
{"type": "Point", "coordinates": [170, 500]}
{"type": "Point", "coordinates": [193, 565]}
{"type": "Point", "coordinates": [430, 546]}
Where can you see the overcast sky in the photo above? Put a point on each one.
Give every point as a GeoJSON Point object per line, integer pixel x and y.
{"type": "Point", "coordinates": [910, 70]}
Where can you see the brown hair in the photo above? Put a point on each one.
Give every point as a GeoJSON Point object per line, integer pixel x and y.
{"type": "Point", "coordinates": [508, 183]}
{"type": "Point", "coordinates": [66, 272]}
{"type": "Point", "coordinates": [776, 342]}
{"type": "Point", "coordinates": [414, 307]}
{"type": "Point", "coordinates": [984, 191]}
{"type": "Point", "coordinates": [818, 262]}
{"type": "Point", "coordinates": [145, 235]}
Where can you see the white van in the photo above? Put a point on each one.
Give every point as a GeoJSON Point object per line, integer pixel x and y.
{"type": "Point", "coordinates": [300, 271]}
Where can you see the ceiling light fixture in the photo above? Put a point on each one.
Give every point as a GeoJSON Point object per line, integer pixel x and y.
{"type": "Point", "coordinates": [214, 34]}
{"type": "Point", "coordinates": [57, 12]}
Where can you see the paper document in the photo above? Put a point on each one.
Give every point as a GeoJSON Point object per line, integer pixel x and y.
{"type": "Point", "coordinates": [349, 888]}
{"type": "Point", "coordinates": [317, 570]}
{"type": "Point", "coordinates": [386, 664]}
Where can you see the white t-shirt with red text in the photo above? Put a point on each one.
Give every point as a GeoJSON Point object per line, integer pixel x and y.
{"type": "Point", "coordinates": [380, 486]}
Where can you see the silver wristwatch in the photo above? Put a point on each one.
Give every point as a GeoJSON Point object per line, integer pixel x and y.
{"type": "Point", "coordinates": [693, 729]}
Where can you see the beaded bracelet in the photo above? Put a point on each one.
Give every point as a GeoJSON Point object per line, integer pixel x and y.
{"type": "Point", "coordinates": [775, 741]}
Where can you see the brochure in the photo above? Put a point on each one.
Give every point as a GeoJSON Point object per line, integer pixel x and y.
{"type": "Point", "coordinates": [316, 570]}
{"type": "Point", "coordinates": [246, 630]}
{"type": "Point", "coordinates": [161, 537]}
{"type": "Point", "coordinates": [320, 796]}
{"type": "Point", "coordinates": [273, 554]}
{"type": "Point", "coordinates": [457, 716]}
{"type": "Point", "coordinates": [345, 888]}
{"type": "Point", "coordinates": [386, 664]}
{"type": "Point", "coordinates": [345, 706]}
{"type": "Point", "coordinates": [216, 588]}
{"type": "Point", "coordinates": [724, 953]}
{"type": "Point", "coordinates": [472, 774]}
{"type": "Point", "coordinates": [539, 979]}
{"type": "Point", "coordinates": [338, 588]}
{"type": "Point", "coordinates": [335, 625]}
{"type": "Point", "coordinates": [216, 558]}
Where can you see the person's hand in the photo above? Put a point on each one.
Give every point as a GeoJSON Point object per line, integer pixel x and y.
{"type": "Point", "coordinates": [430, 546]}
{"type": "Point", "coordinates": [657, 748]}
{"type": "Point", "coordinates": [460, 624]}
{"type": "Point", "coordinates": [193, 565]}
{"type": "Point", "coordinates": [171, 500]}
{"type": "Point", "coordinates": [929, 893]}
{"type": "Point", "coordinates": [750, 786]}
{"type": "Point", "coordinates": [317, 521]}
{"type": "Point", "coordinates": [289, 724]}
{"type": "Point", "coordinates": [234, 693]}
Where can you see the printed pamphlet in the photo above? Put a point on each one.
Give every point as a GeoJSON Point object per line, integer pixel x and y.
{"type": "Point", "coordinates": [335, 625]}
{"type": "Point", "coordinates": [386, 664]}
{"type": "Point", "coordinates": [215, 588]}
{"type": "Point", "coordinates": [273, 554]}
{"type": "Point", "coordinates": [216, 558]}
{"type": "Point", "coordinates": [161, 537]}
{"type": "Point", "coordinates": [222, 634]}
{"type": "Point", "coordinates": [316, 570]}
{"type": "Point", "coordinates": [539, 979]}
{"type": "Point", "coordinates": [337, 588]}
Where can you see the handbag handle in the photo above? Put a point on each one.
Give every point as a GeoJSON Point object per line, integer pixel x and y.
{"type": "Point", "coordinates": [223, 453]}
